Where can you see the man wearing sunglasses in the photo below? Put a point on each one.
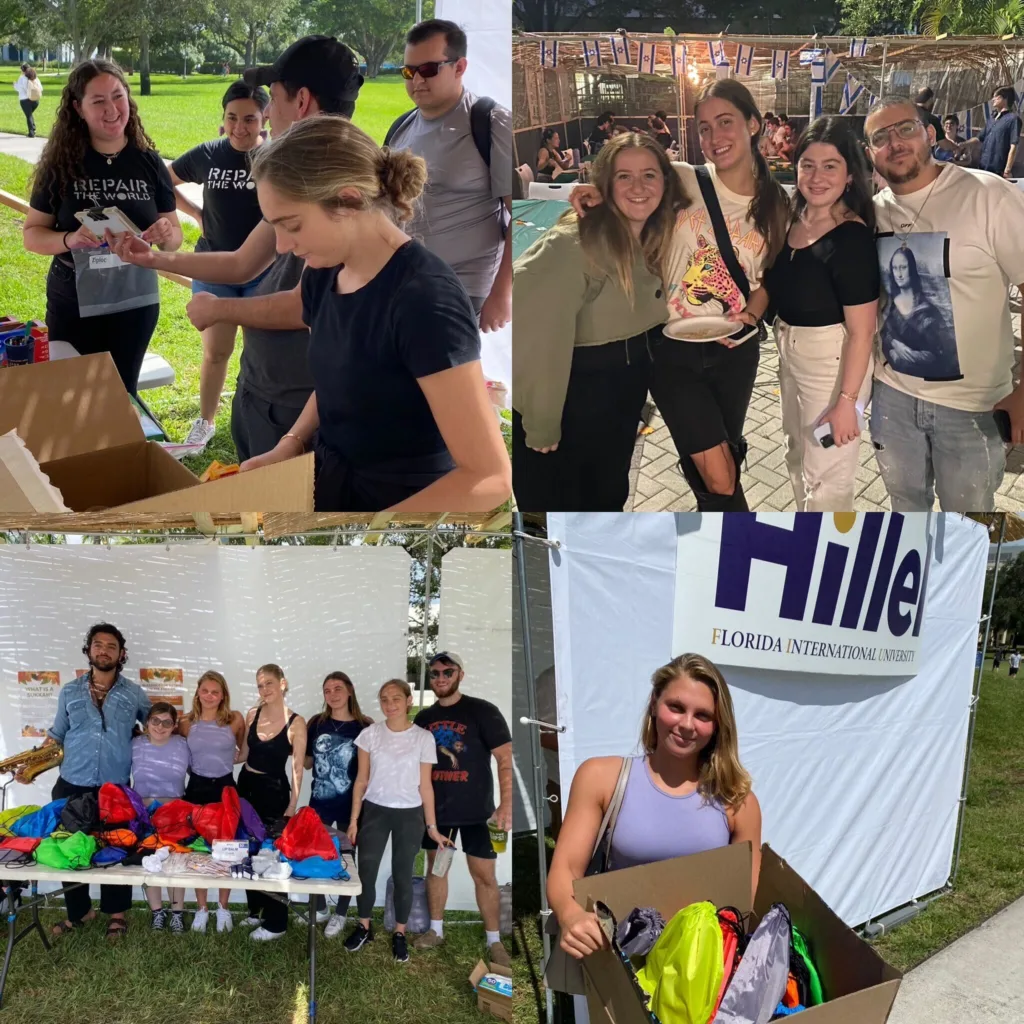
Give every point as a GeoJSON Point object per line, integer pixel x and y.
{"type": "Point", "coordinates": [468, 732]}
{"type": "Point", "coordinates": [950, 242]}
{"type": "Point", "coordinates": [464, 211]}
{"type": "Point", "coordinates": [96, 715]}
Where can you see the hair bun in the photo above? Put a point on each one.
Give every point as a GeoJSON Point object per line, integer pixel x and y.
{"type": "Point", "coordinates": [402, 177]}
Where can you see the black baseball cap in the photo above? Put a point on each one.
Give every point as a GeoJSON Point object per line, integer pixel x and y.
{"type": "Point", "coordinates": [326, 67]}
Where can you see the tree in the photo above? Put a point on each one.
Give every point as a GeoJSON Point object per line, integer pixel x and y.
{"type": "Point", "coordinates": [375, 29]}
{"type": "Point", "coordinates": [244, 24]}
{"type": "Point", "coordinates": [1008, 607]}
{"type": "Point", "coordinates": [82, 23]}
{"type": "Point", "coordinates": [969, 17]}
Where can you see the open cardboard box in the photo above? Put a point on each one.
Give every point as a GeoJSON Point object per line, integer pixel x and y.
{"type": "Point", "coordinates": [859, 986]}
{"type": "Point", "coordinates": [77, 421]}
{"type": "Point", "coordinates": [491, 1002]}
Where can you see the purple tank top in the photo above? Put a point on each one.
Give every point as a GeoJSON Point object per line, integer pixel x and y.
{"type": "Point", "coordinates": [652, 825]}
{"type": "Point", "coordinates": [213, 749]}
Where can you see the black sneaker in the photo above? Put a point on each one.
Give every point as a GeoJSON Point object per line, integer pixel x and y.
{"type": "Point", "coordinates": [358, 938]}
{"type": "Point", "coordinates": [159, 920]}
{"type": "Point", "coordinates": [399, 948]}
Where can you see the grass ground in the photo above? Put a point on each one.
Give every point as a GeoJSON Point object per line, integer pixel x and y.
{"type": "Point", "coordinates": [181, 113]}
{"type": "Point", "coordinates": [991, 867]}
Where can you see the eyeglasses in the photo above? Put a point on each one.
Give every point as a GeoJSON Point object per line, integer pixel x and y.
{"type": "Point", "coordinates": [161, 721]}
{"type": "Point", "coordinates": [436, 673]}
{"type": "Point", "coordinates": [905, 130]}
{"type": "Point", "coordinates": [429, 69]}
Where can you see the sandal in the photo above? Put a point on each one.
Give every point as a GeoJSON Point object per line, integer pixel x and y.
{"type": "Point", "coordinates": [116, 927]}
{"type": "Point", "coordinates": [63, 928]}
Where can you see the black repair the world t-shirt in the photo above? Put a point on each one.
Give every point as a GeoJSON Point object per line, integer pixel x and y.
{"type": "Point", "coordinates": [230, 207]}
{"type": "Point", "coordinates": [135, 182]}
{"type": "Point", "coordinates": [368, 349]}
{"type": "Point", "coordinates": [465, 733]}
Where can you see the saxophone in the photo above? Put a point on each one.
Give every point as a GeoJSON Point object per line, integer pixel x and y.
{"type": "Point", "coordinates": [33, 762]}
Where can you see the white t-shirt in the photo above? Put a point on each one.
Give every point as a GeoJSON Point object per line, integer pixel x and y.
{"type": "Point", "coordinates": [21, 86]}
{"type": "Point", "coordinates": [1014, 661]}
{"type": "Point", "coordinates": [395, 759]}
{"type": "Point", "coordinates": [697, 281]}
{"type": "Point", "coordinates": [944, 324]}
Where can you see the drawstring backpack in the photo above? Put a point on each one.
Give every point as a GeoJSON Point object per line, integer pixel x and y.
{"type": "Point", "coordinates": [683, 972]}
{"type": "Point", "coordinates": [10, 816]}
{"type": "Point", "coordinates": [733, 941]}
{"type": "Point", "coordinates": [801, 952]}
{"type": "Point", "coordinates": [41, 823]}
{"type": "Point", "coordinates": [759, 983]}
{"type": "Point", "coordinates": [72, 853]}
{"type": "Point", "coordinates": [306, 836]}
{"type": "Point", "coordinates": [81, 813]}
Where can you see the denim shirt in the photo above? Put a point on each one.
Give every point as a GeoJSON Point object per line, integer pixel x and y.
{"type": "Point", "coordinates": [94, 755]}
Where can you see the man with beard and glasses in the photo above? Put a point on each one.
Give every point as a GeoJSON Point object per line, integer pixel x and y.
{"type": "Point", "coordinates": [96, 716]}
{"type": "Point", "coordinates": [468, 732]}
{"type": "Point", "coordinates": [950, 243]}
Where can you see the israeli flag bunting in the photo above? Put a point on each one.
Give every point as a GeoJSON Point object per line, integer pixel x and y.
{"type": "Point", "coordinates": [851, 93]}
{"type": "Point", "coordinates": [548, 54]}
{"type": "Point", "coordinates": [592, 54]}
{"type": "Point", "coordinates": [716, 53]}
{"type": "Point", "coordinates": [780, 64]}
{"type": "Point", "coordinates": [965, 120]}
{"type": "Point", "coordinates": [987, 110]}
{"type": "Point", "coordinates": [744, 60]}
{"type": "Point", "coordinates": [678, 60]}
{"type": "Point", "coordinates": [620, 49]}
{"type": "Point", "coordinates": [858, 47]}
{"type": "Point", "coordinates": [645, 59]}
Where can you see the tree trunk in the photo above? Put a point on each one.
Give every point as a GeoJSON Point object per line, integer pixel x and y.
{"type": "Point", "coordinates": [144, 84]}
{"type": "Point", "coordinates": [250, 49]}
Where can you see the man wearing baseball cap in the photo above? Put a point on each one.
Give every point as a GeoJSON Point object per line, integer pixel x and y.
{"type": "Point", "coordinates": [316, 74]}
{"type": "Point", "coordinates": [468, 732]}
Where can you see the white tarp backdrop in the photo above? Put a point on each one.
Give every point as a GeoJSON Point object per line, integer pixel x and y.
{"type": "Point", "coordinates": [198, 606]}
{"type": "Point", "coordinates": [488, 28]}
{"type": "Point", "coordinates": [858, 777]}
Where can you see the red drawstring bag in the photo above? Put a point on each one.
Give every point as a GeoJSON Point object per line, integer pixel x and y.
{"type": "Point", "coordinates": [732, 928]}
{"type": "Point", "coordinates": [22, 844]}
{"type": "Point", "coordinates": [305, 836]}
{"type": "Point", "coordinates": [219, 820]}
{"type": "Point", "coordinates": [173, 821]}
{"type": "Point", "coordinates": [115, 807]}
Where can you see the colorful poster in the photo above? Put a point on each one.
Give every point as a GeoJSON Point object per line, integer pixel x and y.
{"type": "Point", "coordinates": [164, 684]}
{"type": "Point", "coordinates": [37, 699]}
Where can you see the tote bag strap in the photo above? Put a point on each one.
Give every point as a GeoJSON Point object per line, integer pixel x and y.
{"type": "Point", "coordinates": [599, 863]}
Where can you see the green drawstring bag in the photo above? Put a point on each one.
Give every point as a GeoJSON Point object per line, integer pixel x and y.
{"type": "Point", "coordinates": [9, 817]}
{"type": "Point", "coordinates": [817, 996]}
{"type": "Point", "coordinates": [68, 854]}
{"type": "Point", "coordinates": [684, 971]}
{"type": "Point", "coordinates": [199, 845]}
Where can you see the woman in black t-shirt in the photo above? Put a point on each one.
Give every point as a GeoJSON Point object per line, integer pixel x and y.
{"type": "Point", "coordinates": [400, 417]}
{"type": "Point", "coordinates": [98, 155]}
{"type": "Point", "coordinates": [825, 286]}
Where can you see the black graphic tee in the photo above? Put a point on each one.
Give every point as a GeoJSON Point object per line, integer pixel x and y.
{"type": "Point", "coordinates": [332, 745]}
{"type": "Point", "coordinates": [465, 733]}
{"type": "Point", "coordinates": [230, 207]}
{"type": "Point", "coordinates": [137, 183]}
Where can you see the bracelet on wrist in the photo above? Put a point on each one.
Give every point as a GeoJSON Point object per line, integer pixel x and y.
{"type": "Point", "coordinates": [848, 396]}
{"type": "Point", "coordinates": [67, 248]}
{"type": "Point", "coordinates": [302, 443]}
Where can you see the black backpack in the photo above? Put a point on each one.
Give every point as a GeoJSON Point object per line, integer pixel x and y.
{"type": "Point", "coordinates": [479, 125]}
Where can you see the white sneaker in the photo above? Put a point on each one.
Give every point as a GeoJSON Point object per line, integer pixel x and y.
{"type": "Point", "coordinates": [251, 922]}
{"type": "Point", "coordinates": [323, 915]}
{"type": "Point", "coordinates": [262, 935]}
{"type": "Point", "coordinates": [201, 432]}
{"type": "Point", "coordinates": [335, 926]}
{"type": "Point", "coordinates": [199, 921]}
{"type": "Point", "coordinates": [224, 920]}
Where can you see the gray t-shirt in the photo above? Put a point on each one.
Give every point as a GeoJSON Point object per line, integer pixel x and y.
{"type": "Point", "coordinates": [274, 364]}
{"type": "Point", "coordinates": [461, 213]}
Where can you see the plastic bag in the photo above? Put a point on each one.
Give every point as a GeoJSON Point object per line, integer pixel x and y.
{"type": "Point", "coordinates": [105, 284]}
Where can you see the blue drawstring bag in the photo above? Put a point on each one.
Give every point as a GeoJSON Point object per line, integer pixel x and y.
{"type": "Point", "coordinates": [318, 867]}
{"type": "Point", "coordinates": [108, 856]}
{"type": "Point", "coordinates": [41, 823]}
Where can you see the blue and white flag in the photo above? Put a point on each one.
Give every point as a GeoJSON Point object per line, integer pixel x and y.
{"type": "Point", "coordinates": [744, 60]}
{"type": "Point", "coordinates": [548, 53]}
{"type": "Point", "coordinates": [678, 60]}
{"type": "Point", "coordinates": [592, 53]}
{"type": "Point", "coordinates": [824, 67]}
{"type": "Point", "coordinates": [620, 49]}
{"type": "Point", "coordinates": [645, 59]}
{"type": "Point", "coordinates": [851, 93]}
{"type": "Point", "coordinates": [967, 121]}
{"type": "Point", "coordinates": [780, 64]}
{"type": "Point", "coordinates": [716, 53]}
{"type": "Point", "coordinates": [858, 47]}
{"type": "Point", "coordinates": [987, 110]}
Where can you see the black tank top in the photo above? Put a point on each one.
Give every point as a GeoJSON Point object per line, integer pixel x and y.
{"type": "Point", "coordinates": [269, 756]}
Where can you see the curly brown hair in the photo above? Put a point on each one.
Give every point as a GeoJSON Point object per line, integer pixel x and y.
{"type": "Point", "coordinates": [63, 157]}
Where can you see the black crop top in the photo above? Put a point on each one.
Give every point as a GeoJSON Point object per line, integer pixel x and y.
{"type": "Point", "coordinates": [269, 756]}
{"type": "Point", "coordinates": [810, 286]}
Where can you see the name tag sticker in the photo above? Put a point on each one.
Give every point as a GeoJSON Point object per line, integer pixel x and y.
{"type": "Point", "coordinates": [104, 261]}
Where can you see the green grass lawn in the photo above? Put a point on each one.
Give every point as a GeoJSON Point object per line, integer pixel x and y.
{"type": "Point", "coordinates": [991, 866]}
{"type": "Point", "coordinates": [181, 113]}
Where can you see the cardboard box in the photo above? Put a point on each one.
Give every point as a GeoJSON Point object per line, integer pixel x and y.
{"type": "Point", "coordinates": [491, 1002]}
{"type": "Point", "coordinates": [77, 420]}
{"type": "Point", "coordinates": [859, 985]}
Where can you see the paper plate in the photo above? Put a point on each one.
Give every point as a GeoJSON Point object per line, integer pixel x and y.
{"type": "Point", "coordinates": [701, 328]}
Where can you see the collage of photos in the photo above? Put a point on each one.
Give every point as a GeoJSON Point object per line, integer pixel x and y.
{"type": "Point", "coordinates": [511, 510]}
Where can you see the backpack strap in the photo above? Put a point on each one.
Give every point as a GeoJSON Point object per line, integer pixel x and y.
{"type": "Point", "coordinates": [722, 238]}
{"type": "Point", "coordinates": [396, 125]}
{"type": "Point", "coordinates": [480, 126]}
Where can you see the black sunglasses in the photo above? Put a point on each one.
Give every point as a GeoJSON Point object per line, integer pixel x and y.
{"type": "Point", "coordinates": [436, 673]}
{"type": "Point", "coordinates": [429, 69]}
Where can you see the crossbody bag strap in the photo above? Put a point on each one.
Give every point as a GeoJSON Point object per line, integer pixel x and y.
{"type": "Point", "coordinates": [722, 237]}
{"type": "Point", "coordinates": [611, 815]}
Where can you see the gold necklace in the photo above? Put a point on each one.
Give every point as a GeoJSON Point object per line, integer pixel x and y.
{"type": "Point", "coordinates": [903, 238]}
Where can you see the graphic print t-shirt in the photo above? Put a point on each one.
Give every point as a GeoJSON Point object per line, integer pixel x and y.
{"type": "Point", "coordinates": [137, 183]}
{"type": "Point", "coordinates": [465, 733]}
{"type": "Point", "coordinates": [230, 207]}
{"type": "Point", "coordinates": [696, 278]}
{"type": "Point", "coordinates": [332, 745]}
{"type": "Point", "coordinates": [944, 323]}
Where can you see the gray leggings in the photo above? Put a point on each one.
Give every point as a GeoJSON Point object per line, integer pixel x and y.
{"type": "Point", "coordinates": [404, 825]}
